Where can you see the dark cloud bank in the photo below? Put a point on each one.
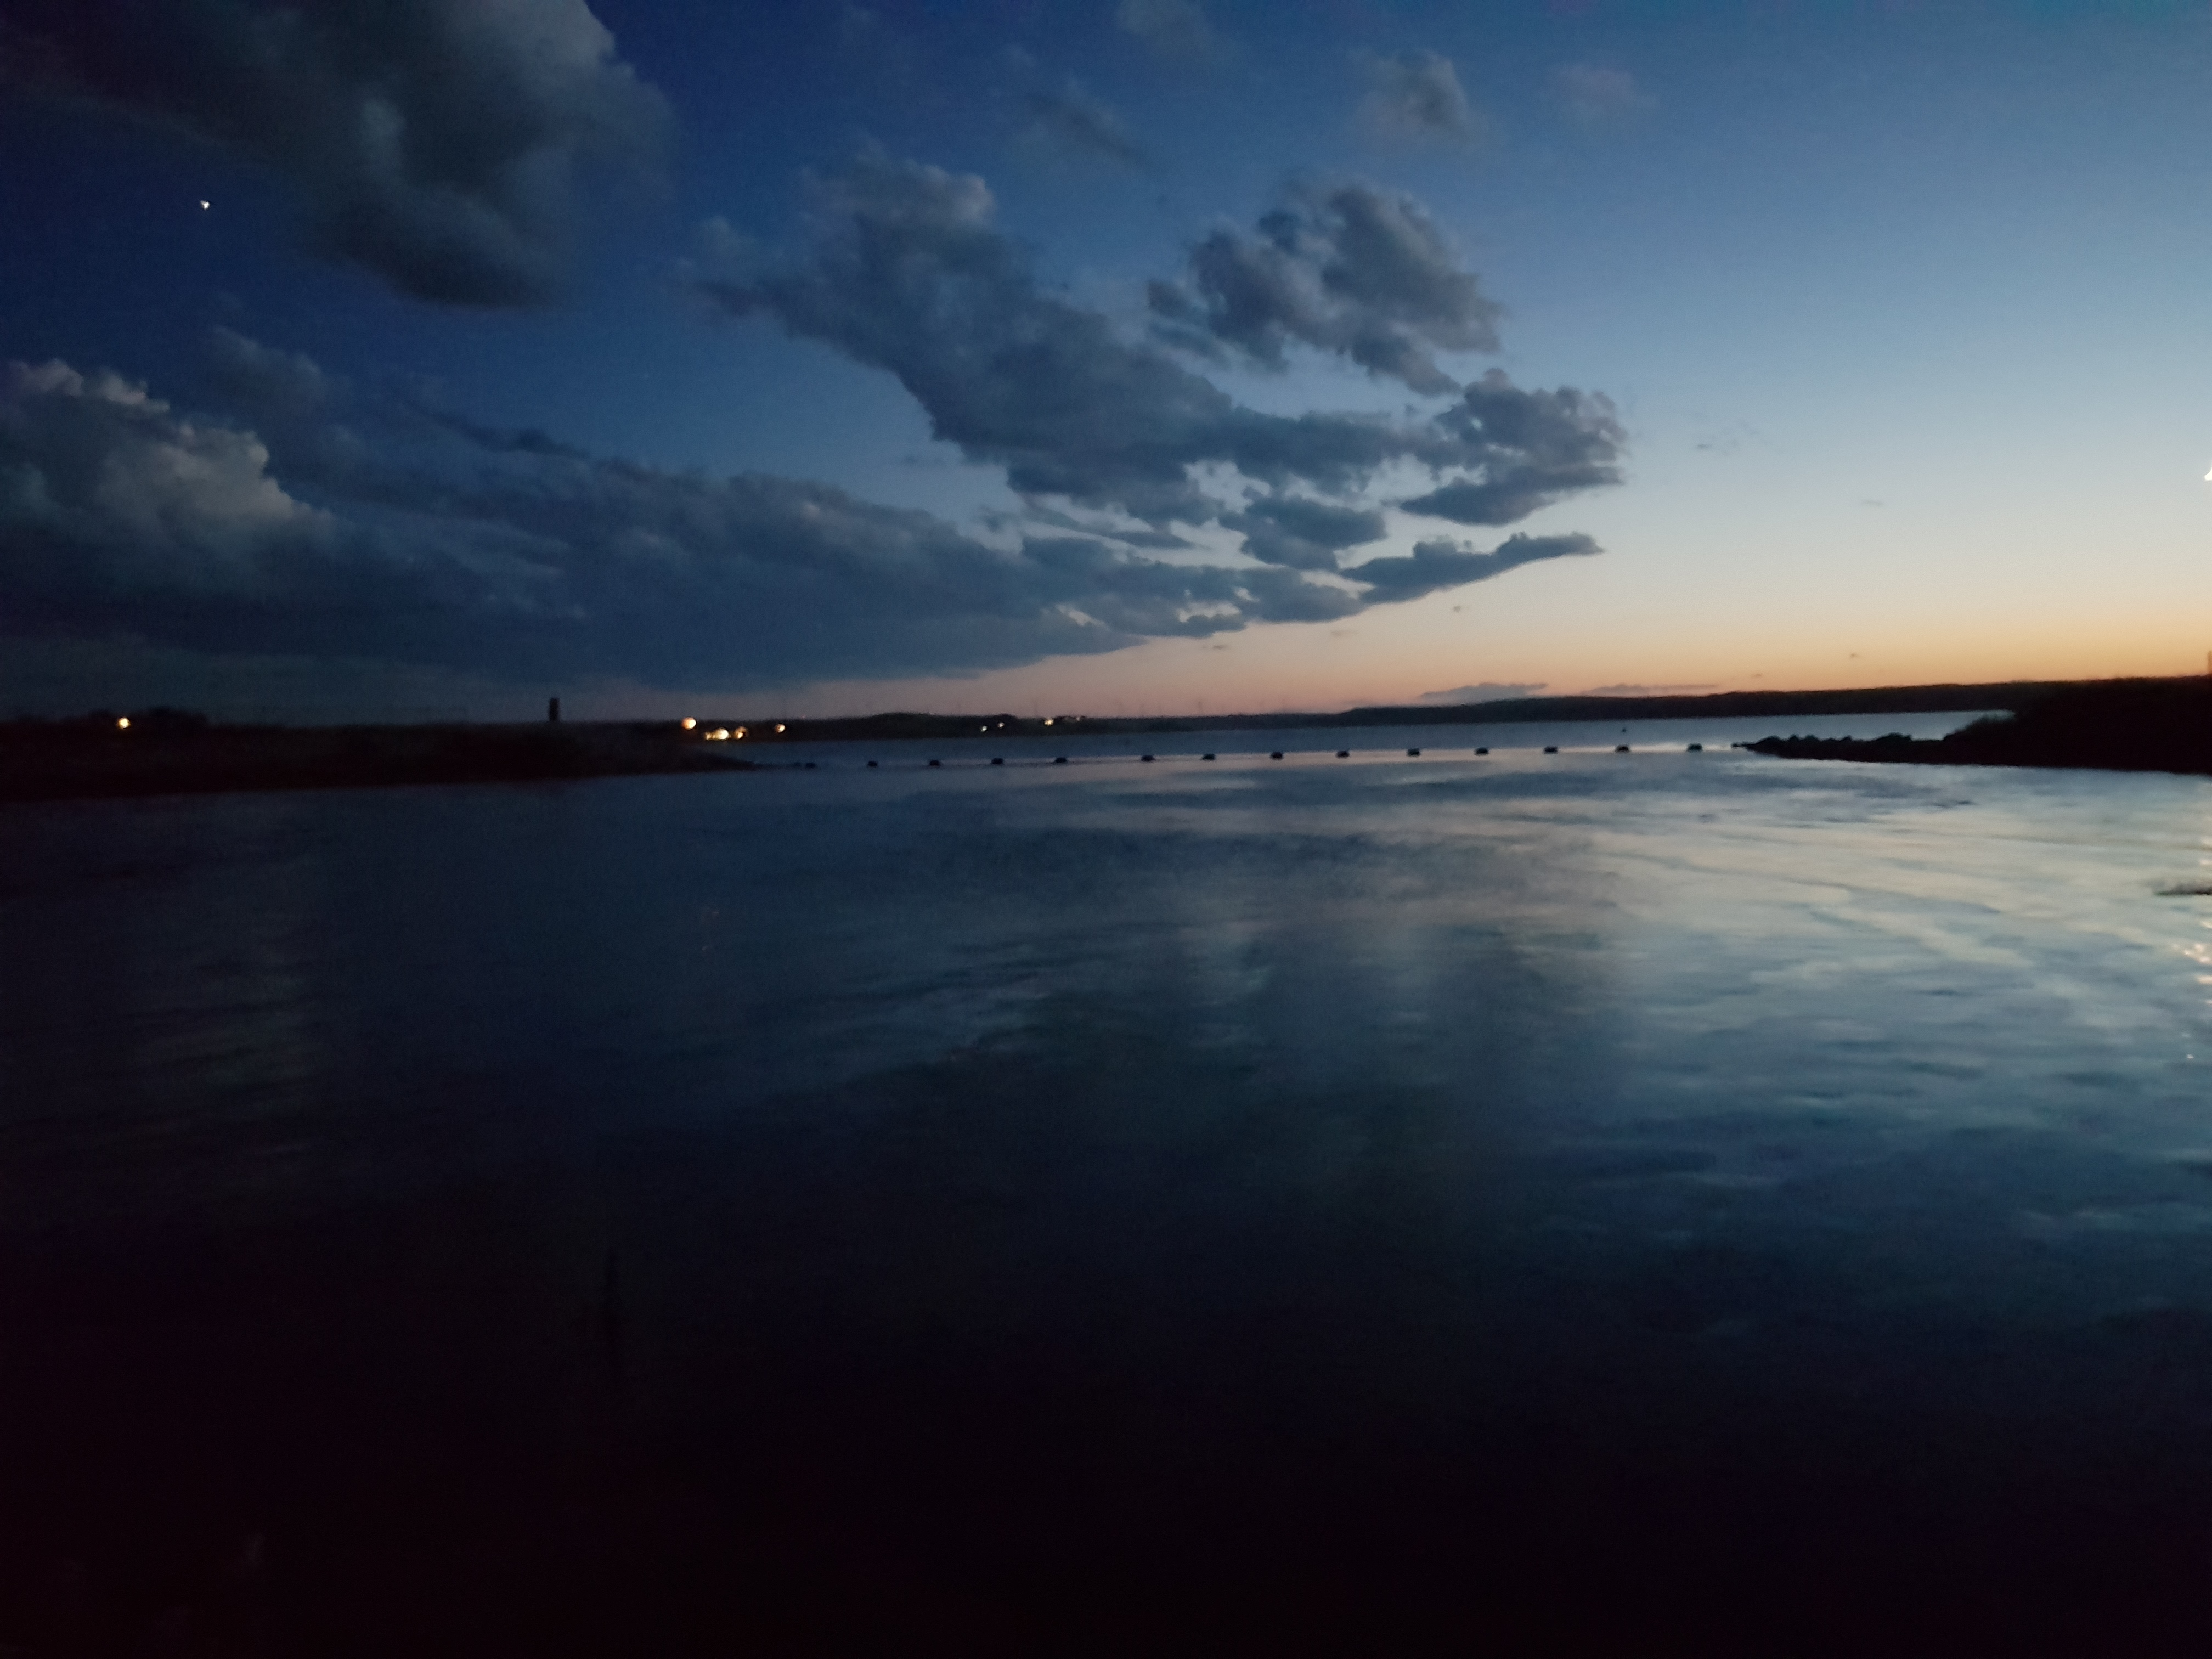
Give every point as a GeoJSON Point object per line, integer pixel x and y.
{"type": "Point", "coordinates": [434, 141]}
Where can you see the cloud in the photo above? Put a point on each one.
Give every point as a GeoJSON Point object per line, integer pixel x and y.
{"type": "Point", "coordinates": [1592, 96]}
{"type": "Point", "coordinates": [904, 270]}
{"type": "Point", "coordinates": [1304, 535]}
{"type": "Point", "coordinates": [1177, 30]}
{"type": "Point", "coordinates": [1437, 564]}
{"type": "Point", "coordinates": [1344, 268]}
{"type": "Point", "coordinates": [1488, 691]}
{"type": "Point", "coordinates": [1071, 120]}
{"type": "Point", "coordinates": [1416, 97]}
{"type": "Point", "coordinates": [311, 516]}
{"type": "Point", "coordinates": [435, 143]}
{"type": "Point", "coordinates": [1536, 447]}
{"type": "Point", "coordinates": [369, 526]}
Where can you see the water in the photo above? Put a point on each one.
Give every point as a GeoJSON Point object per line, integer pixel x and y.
{"type": "Point", "coordinates": [1113, 1203]}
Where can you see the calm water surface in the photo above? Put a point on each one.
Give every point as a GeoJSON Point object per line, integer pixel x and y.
{"type": "Point", "coordinates": [1065, 1206]}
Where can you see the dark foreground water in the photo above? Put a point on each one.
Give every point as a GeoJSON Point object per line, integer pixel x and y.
{"type": "Point", "coordinates": [1690, 1200]}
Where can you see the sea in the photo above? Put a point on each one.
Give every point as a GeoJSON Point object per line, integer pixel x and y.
{"type": "Point", "coordinates": [1670, 1198]}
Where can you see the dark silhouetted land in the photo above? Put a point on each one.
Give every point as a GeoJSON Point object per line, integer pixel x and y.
{"type": "Point", "coordinates": [2115, 725]}
{"type": "Point", "coordinates": [2012, 695]}
{"type": "Point", "coordinates": [2143, 725]}
{"type": "Point", "coordinates": [163, 752]}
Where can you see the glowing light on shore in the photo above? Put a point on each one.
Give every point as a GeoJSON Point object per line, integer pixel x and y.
{"type": "Point", "coordinates": [688, 722]}
{"type": "Point", "coordinates": [123, 723]}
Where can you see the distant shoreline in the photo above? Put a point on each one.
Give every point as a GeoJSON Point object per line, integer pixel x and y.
{"type": "Point", "coordinates": [2110, 726]}
{"type": "Point", "coordinates": [2011, 696]}
{"type": "Point", "coordinates": [161, 752]}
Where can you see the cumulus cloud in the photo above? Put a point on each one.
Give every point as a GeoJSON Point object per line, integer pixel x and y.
{"type": "Point", "coordinates": [1592, 97]}
{"type": "Point", "coordinates": [1537, 447]}
{"type": "Point", "coordinates": [401, 534]}
{"type": "Point", "coordinates": [435, 143]}
{"type": "Point", "coordinates": [1178, 30]}
{"type": "Point", "coordinates": [1071, 120]}
{"type": "Point", "coordinates": [119, 515]}
{"type": "Point", "coordinates": [1302, 534]}
{"type": "Point", "coordinates": [905, 270]}
{"type": "Point", "coordinates": [1346, 268]}
{"type": "Point", "coordinates": [1416, 97]}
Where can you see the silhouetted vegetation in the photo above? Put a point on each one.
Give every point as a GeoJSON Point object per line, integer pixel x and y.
{"type": "Point", "coordinates": [2117, 726]}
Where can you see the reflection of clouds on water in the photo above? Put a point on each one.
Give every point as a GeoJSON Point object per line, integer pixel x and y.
{"type": "Point", "coordinates": [1515, 1117]}
{"type": "Point", "coordinates": [2159, 1218]}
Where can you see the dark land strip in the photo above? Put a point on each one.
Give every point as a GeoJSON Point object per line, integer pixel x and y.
{"type": "Point", "coordinates": [163, 753]}
{"type": "Point", "coordinates": [2137, 724]}
{"type": "Point", "coordinates": [2112, 725]}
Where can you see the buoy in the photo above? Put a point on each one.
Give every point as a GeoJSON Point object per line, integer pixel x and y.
{"type": "Point", "coordinates": [1344, 754]}
{"type": "Point", "coordinates": [871, 766]}
{"type": "Point", "coordinates": [1482, 751]}
{"type": "Point", "coordinates": [995, 761]}
{"type": "Point", "coordinates": [937, 762]}
{"type": "Point", "coordinates": [1274, 754]}
{"type": "Point", "coordinates": [1696, 748]}
{"type": "Point", "coordinates": [1060, 760]}
{"type": "Point", "coordinates": [1621, 749]}
{"type": "Point", "coordinates": [1205, 757]}
{"type": "Point", "coordinates": [1145, 758]}
{"type": "Point", "coordinates": [1414, 751]}
{"type": "Point", "coordinates": [1551, 749]}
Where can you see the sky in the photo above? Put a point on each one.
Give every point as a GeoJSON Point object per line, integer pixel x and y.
{"type": "Point", "coordinates": [396, 359]}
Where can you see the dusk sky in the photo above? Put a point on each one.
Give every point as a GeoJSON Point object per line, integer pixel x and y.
{"type": "Point", "coordinates": [379, 356]}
